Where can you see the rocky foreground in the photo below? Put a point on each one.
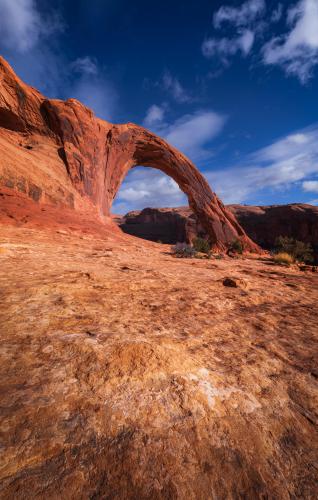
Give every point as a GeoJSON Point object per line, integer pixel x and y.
{"type": "Point", "coordinates": [128, 373]}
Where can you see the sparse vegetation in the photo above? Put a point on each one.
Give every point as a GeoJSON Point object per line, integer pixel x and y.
{"type": "Point", "coordinates": [183, 250]}
{"type": "Point", "coordinates": [298, 250]}
{"type": "Point", "coordinates": [236, 247]}
{"type": "Point", "coordinates": [201, 245]}
{"type": "Point", "coordinates": [283, 258]}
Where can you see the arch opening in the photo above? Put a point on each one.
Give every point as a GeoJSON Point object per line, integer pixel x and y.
{"type": "Point", "coordinates": [150, 205]}
{"type": "Point", "coordinates": [129, 146]}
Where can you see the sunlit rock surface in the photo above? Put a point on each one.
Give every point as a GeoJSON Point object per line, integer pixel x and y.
{"type": "Point", "coordinates": [128, 373]}
{"type": "Point", "coordinates": [58, 152]}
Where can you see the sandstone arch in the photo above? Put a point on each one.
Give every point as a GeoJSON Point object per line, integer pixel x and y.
{"type": "Point", "coordinates": [142, 147]}
{"type": "Point", "coordinates": [97, 154]}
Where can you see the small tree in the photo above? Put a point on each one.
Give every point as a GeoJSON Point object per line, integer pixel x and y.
{"type": "Point", "coordinates": [183, 250]}
{"type": "Point", "coordinates": [299, 250]}
{"type": "Point", "coordinates": [236, 247]}
{"type": "Point", "coordinates": [201, 245]}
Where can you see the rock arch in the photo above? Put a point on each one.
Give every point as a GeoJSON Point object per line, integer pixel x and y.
{"type": "Point", "coordinates": [132, 145]}
{"type": "Point", "coordinates": [97, 154]}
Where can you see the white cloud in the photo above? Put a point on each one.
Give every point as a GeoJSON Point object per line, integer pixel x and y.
{"type": "Point", "coordinates": [22, 26]}
{"type": "Point", "coordinates": [310, 186]}
{"type": "Point", "coordinates": [283, 164]}
{"type": "Point", "coordinates": [154, 115]}
{"type": "Point", "coordinates": [174, 87]}
{"type": "Point", "coordinates": [239, 16]}
{"type": "Point", "coordinates": [85, 65]}
{"type": "Point", "coordinates": [30, 42]}
{"type": "Point", "coordinates": [297, 51]}
{"type": "Point", "coordinates": [191, 133]}
{"type": "Point", "coordinates": [246, 22]}
{"type": "Point", "coordinates": [147, 187]}
{"type": "Point", "coordinates": [225, 47]}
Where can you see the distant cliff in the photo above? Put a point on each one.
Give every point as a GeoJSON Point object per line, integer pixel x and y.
{"type": "Point", "coordinates": [262, 224]}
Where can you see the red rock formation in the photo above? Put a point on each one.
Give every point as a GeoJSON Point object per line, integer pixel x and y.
{"type": "Point", "coordinates": [262, 224]}
{"type": "Point", "coordinates": [90, 158]}
{"type": "Point", "coordinates": [168, 225]}
{"type": "Point", "coordinates": [265, 224]}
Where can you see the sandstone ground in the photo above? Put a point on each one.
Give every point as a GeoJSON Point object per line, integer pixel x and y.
{"type": "Point", "coordinates": [128, 373]}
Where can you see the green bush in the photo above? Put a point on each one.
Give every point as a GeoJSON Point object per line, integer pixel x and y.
{"type": "Point", "coordinates": [201, 245]}
{"type": "Point", "coordinates": [299, 250]}
{"type": "Point", "coordinates": [183, 250]}
{"type": "Point", "coordinates": [236, 247]}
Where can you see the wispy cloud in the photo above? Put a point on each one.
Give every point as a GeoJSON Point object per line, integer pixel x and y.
{"type": "Point", "coordinates": [155, 116]}
{"type": "Point", "coordinates": [22, 26]}
{"type": "Point", "coordinates": [85, 65]}
{"type": "Point", "coordinates": [244, 15]}
{"type": "Point", "coordinates": [290, 161]}
{"type": "Point", "coordinates": [226, 47]}
{"type": "Point", "coordinates": [147, 187]}
{"type": "Point", "coordinates": [245, 22]}
{"type": "Point", "coordinates": [172, 85]}
{"type": "Point", "coordinates": [310, 186]}
{"type": "Point", "coordinates": [191, 133]}
{"type": "Point", "coordinates": [28, 41]}
{"type": "Point", "coordinates": [297, 51]}
{"type": "Point", "coordinates": [31, 42]}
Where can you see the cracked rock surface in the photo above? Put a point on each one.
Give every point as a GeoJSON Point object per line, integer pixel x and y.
{"type": "Point", "coordinates": [128, 373]}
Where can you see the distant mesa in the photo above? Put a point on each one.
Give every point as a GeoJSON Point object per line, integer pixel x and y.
{"type": "Point", "coordinates": [261, 223]}
{"type": "Point", "coordinates": [59, 153]}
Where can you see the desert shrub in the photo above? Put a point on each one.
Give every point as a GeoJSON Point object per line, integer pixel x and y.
{"type": "Point", "coordinates": [299, 250]}
{"type": "Point", "coordinates": [236, 247]}
{"type": "Point", "coordinates": [183, 250]}
{"type": "Point", "coordinates": [201, 245]}
{"type": "Point", "coordinates": [283, 258]}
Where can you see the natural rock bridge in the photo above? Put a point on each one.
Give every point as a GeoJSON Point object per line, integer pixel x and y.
{"type": "Point", "coordinates": [97, 154]}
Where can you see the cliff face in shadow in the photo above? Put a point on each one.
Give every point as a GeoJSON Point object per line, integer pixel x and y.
{"type": "Point", "coordinates": [262, 223]}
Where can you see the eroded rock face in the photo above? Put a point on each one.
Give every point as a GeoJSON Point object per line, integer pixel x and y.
{"type": "Point", "coordinates": [265, 224]}
{"type": "Point", "coordinates": [168, 225]}
{"type": "Point", "coordinates": [96, 155]}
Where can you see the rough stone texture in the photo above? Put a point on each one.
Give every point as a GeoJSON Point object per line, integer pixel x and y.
{"type": "Point", "coordinates": [127, 373]}
{"type": "Point", "coordinates": [95, 155]}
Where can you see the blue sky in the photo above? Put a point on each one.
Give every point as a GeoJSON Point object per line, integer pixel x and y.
{"type": "Point", "coordinates": [232, 84]}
